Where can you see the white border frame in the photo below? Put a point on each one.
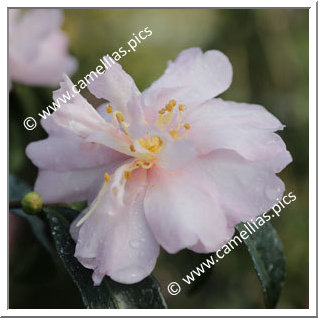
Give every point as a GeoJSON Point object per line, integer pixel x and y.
{"type": "Point", "coordinates": [312, 163]}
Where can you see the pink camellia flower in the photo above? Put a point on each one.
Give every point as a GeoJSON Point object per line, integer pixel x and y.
{"type": "Point", "coordinates": [38, 48]}
{"type": "Point", "coordinates": [172, 166]}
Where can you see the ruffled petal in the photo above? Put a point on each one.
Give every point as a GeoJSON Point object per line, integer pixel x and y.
{"type": "Point", "coordinates": [115, 240]}
{"type": "Point", "coordinates": [244, 189]}
{"type": "Point", "coordinates": [66, 151]}
{"type": "Point", "coordinates": [81, 118]}
{"type": "Point", "coordinates": [195, 75]}
{"type": "Point", "coordinates": [198, 207]}
{"type": "Point", "coordinates": [182, 212]}
{"type": "Point", "coordinates": [117, 87]}
{"type": "Point", "coordinates": [245, 128]}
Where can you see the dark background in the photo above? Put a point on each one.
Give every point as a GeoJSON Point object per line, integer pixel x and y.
{"type": "Point", "coordinates": [268, 49]}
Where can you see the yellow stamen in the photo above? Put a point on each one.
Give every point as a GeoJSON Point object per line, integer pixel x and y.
{"type": "Point", "coordinates": [120, 117]}
{"type": "Point", "coordinates": [109, 109]}
{"type": "Point", "coordinates": [107, 177]}
{"type": "Point", "coordinates": [169, 107]}
{"type": "Point", "coordinates": [127, 174]}
{"type": "Point", "coordinates": [181, 108]}
{"type": "Point", "coordinates": [172, 102]}
{"type": "Point", "coordinates": [132, 148]}
{"type": "Point", "coordinates": [173, 133]}
{"type": "Point", "coordinates": [162, 111]}
{"type": "Point", "coordinates": [187, 126]}
{"type": "Point", "coordinates": [152, 144]}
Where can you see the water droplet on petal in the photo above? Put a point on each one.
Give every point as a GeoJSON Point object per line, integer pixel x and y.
{"type": "Point", "coordinates": [134, 243]}
{"type": "Point", "coordinates": [111, 212]}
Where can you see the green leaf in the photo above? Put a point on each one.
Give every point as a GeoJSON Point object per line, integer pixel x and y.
{"type": "Point", "coordinates": [266, 251]}
{"type": "Point", "coordinates": [17, 190]}
{"type": "Point", "coordinates": [109, 294]}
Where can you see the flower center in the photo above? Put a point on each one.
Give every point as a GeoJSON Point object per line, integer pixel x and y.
{"type": "Point", "coordinates": [152, 144]}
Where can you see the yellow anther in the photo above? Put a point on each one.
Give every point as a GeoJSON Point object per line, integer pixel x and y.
{"type": "Point", "coordinates": [109, 109]}
{"type": "Point", "coordinates": [169, 107]}
{"type": "Point", "coordinates": [172, 102]}
{"type": "Point", "coordinates": [107, 177]}
{"type": "Point", "coordinates": [120, 117]}
{"type": "Point", "coordinates": [173, 133]}
{"type": "Point", "coordinates": [187, 126]}
{"type": "Point", "coordinates": [152, 144]}
{"type": "Point", "coordinates": [127, 174]}
{"type": "Point", "coordinates": [162, 111]}
{"type": "Point", "coordinates": [132, 148]}
{"type": "Point", "coordinates": [181, 108]}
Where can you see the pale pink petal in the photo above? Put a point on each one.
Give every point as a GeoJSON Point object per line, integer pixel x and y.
{"type": "Point", "coordinates": [182, 212]}
{"type": "Point", "coordinates": [47, 66]}
{"type": "Point", "coordinates": [197, 76]}
{"type": "Point", "coordinates": [66, 151]}
{"type": "Point", "coordinates": [152, 103]}
{"type": "Point", "coordinates": [67, 186]}
{"type": "Point", "coordinates": [31, 29]}
{"type": "Point", "coordinates": [248, 129]}
{"type": "Point", "coordinates": [244, 189]}
{"type": "Point", "coordinates": [107, 140]}
{"type": "Point", "coordinates": [80, 117]}
{"type": "Point", "coordinates": [76, 113]}
{"type": "Point", "coordinates": [102, 111]}
{"type": "Point", "coordinates": [198, 207]}
{"type": "Point", "coordinates": [115, 240]}
{"type": "Point", "coordinates": [176, 154]}
{"type": "Point", "coordinates": [38, 49]}
{"type": "Point", "coordinates": [117, 87]}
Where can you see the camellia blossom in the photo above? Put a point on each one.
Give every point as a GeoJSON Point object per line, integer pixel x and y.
{"type": "Point", "coordinates": [38, 52]}
{"type": "Point", "coordinates": [172, 166]}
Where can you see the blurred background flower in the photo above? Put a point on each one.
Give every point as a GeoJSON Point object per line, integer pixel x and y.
{"type": "Point", "coordinates": [268, 49]}
{"type": "Point", "coordinates": [38, 48]}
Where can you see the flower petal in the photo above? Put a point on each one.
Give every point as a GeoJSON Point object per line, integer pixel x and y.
{"type": "Point", "coordinates": [198, 207]}
{"type": "Point", "coordinates": [176, 154]}
{"type": "Point", "coordinates": [38, 52]}
{"type": "Point", "coordinates": [116, 240]}
{"type": "Point", "coordinates": [117, 87]}
{"type": "Point", "coordinates": [183, 213]}
{"type": "Point", "coordinates": [66, 151]}
{"type": "Point", "coordinates": [81, 118]}
{"type": "Point", "coordinates": [197, 76]}
{"type": "Point", "coordinates": [67, 186]}
{"type": "Point", "coordinates": [244, 189]}
{"type": "Point", "coordinates": [32, 28]}
{"type": "Point", "coordinates": [50, 62]}
{"type": "Point", "coordinates": [248, 129]}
